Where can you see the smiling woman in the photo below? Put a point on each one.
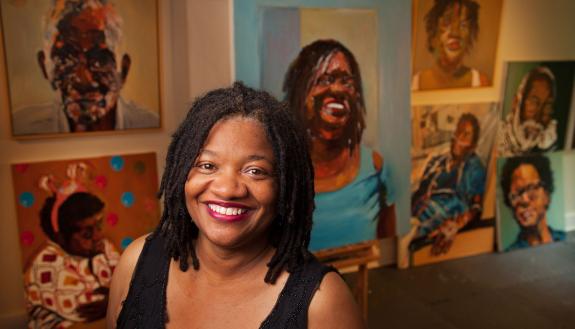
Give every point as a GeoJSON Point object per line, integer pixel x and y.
{"type": "Point", "coordinates": [238, 202]}
{"type": "Point", "coordinates": [231, 189]}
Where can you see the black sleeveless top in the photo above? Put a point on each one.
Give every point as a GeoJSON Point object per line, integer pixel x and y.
{"type": "Point", "coordinates": [145, 304]}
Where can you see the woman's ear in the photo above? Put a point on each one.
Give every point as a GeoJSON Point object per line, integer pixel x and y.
{"type": "Point", "coordinates": [126, 63]}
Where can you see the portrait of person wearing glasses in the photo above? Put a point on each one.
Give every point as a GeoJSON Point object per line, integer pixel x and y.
{"type": "Point", "coordinates": [527, 185]}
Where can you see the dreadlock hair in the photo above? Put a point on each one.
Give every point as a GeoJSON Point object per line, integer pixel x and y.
{"type": "Point", "coordinates": [539, 162]}
{"type": "Point", "coordinates": [300, 75]}
{"type": "Point", "coordinates": [434, 14]}
{"type": "Point", "coordinates": [290, 231]}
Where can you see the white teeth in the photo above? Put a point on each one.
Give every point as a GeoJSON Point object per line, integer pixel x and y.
{"type": "Point", "coordinates": [226, 211]}
{"type": "Point", "coordinates": [335, 106]}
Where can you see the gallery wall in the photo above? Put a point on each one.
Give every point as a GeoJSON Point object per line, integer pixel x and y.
{"type": "Point", "coordinates": [197, 56]}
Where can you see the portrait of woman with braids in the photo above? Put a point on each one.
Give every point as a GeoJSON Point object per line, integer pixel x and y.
{"type": "Point", "coordinates": [231, 249]}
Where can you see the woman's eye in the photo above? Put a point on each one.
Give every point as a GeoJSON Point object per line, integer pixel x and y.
{"type": "Point", "coordinates": [205, 166]}
{"type": "Point", "coordinates": [325, 80]}
{"type": "Point", "coordinates": [87, 234]}
{"type": "Point", "coordinates": [256, 172]}
{"type": "Point", "coordinates": [348, 83]}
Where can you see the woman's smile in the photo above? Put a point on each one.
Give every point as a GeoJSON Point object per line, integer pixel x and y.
{"type": "Point", "coordinates": [228, 212]}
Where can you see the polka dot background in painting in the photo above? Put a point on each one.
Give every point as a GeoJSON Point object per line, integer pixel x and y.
{"type": "Point", "coordinates": [112, 219]}
{"type": "Point", "coordinates": [117, 163]}
{"type": "Point", "coordinates": [101, 181]}
{"type": "Point", "coordinates": [26, 199]}
{"type": "Point", "coordinates": [140, 167]}
{"type": "Point", "coordinates": [150, 204]}
{"type": "Point", "coordinates": [128, 199]}
{"type": "Point", "coordinates": [21, 167]}
{"type": "Point", "coordinates": [126, 242]}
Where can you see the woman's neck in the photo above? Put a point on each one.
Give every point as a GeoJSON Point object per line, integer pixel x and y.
{"type": "Point", "coordinates": [449, 69]}
{"type": "Point", "coordinates": [334, 169]}
{"type": "Point", "coordinates": [543, 234]}
{"type": "Point", "coordinates": [219, 264]}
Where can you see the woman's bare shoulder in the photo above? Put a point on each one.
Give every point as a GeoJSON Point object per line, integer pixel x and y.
{"type": "Point", "coordinates": [122, 277]}
{"type": "Point", "coordinates": [333, 306]}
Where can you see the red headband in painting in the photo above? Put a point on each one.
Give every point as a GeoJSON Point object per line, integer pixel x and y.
{"type": "Point", "coordinates": [68, 187]}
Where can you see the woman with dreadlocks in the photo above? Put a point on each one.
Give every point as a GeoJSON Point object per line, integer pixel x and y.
{"type": "Point", "coordinates": [238, 203]}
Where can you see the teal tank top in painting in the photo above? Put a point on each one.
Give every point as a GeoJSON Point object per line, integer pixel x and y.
{"type": "Point", "coordinates": [350, 214]}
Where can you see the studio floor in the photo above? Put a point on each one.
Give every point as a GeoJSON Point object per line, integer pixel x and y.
{"type": "Point", "coordinates": [530, 288]}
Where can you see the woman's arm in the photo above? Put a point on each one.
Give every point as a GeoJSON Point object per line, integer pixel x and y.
{"type": "Point", "coordinates": [333, 306]}
{"type": "Point", "coordinates": [121, 280]}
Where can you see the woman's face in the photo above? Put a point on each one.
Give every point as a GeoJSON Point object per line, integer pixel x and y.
{"type": "Point", "coordinates": [454, 34]}
{"type": "Point", "coordinates": [87, 238]}
{"type": "Point", "coordinates": [538, 104]}
{"type": "Point", "coordinates": [330, 102]}
{"type": "Point", "coordinates": [528, 197]}
{"type": "Point", "coordinates": [462, 143]}
{"type": "Point", "coordinates": [231, 189]}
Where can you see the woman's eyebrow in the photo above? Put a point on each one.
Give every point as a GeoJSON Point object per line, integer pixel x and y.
{"type": "Point", "coordinates": [207, 152]}
{"type": "Point", "coordinates": [257, 157]}
{"type": "Point", "coordinates": [252, 157]}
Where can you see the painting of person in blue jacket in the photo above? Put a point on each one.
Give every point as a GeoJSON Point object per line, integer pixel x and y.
{"type": "Point", "coordinates": [450, 193]}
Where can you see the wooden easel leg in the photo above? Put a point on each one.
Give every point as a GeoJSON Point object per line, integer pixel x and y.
{"type": "Point", "coordinates": [362, 289]}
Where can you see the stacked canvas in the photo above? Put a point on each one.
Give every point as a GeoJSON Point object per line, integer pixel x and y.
{"type": "Point", "coordinates": [536, 125]}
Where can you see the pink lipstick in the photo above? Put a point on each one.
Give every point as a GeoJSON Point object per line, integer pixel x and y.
{"type": "Point", "coordinates": [227, 211]}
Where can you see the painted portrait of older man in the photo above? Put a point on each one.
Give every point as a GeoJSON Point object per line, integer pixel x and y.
{"type": "Point", "coordinates": [76, 79]}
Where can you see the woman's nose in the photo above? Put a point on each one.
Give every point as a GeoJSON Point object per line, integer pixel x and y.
{"type": "Point", "coordinates": [339, 86]}
{"type": "Point", "coordinates": [455, 28]}
{"type": "Point", "coordinates": [229, 185]}
{"type": "Point", "coordinates": [525, 197]}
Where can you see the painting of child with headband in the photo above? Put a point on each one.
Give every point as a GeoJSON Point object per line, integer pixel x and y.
{"type": "Point", "coordinates": [67, 277]}
{"type": "Point", "coordinates": [536, 107]}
